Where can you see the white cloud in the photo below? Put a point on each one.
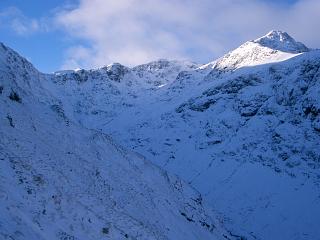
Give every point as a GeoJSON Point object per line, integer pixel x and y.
{"type": "Point", "coordinates": [77, 54]}
{"type": "Point", "coordinates": [137, 31]}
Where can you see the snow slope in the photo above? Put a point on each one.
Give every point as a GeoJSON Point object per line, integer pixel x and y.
{"type": "Point", "coordinates": [244, 129]}
{"type": "Point", "coordinates": [62, 180]}
{"type": "Point", "coordinates": [276, 46]}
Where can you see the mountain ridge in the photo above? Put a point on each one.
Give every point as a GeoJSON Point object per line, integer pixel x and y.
{"type": "Point", "coordinates": [62, 180]}
{"type": "Point", "coordinates": [275, 46]}
{"type": "Point", "coordinates": [252, 114]}
{"type": "Point", "coordinates": [279, 40]}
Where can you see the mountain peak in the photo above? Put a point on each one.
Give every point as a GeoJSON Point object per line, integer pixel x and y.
{"type": "Point", "coordinates": [278, 35]}
{"type": "Point", "coordinates": [282, 41]}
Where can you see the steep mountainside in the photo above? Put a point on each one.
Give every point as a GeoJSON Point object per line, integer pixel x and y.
{"type": "Point", "coordinates": [61, 180]}
{"type": "Point", "coordinates": [244, 130]}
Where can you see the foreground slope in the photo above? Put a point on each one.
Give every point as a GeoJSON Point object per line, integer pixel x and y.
{"type": "Point", "coordinates": [61, 180]}
{"type": "Point", "coordinates": [244, 129]}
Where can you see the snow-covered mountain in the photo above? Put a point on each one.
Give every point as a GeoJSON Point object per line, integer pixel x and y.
{"type": "Point", "coordinates": [244, 130]}
{"type": "Point", "coordinates": [62, 180]}
{"type": "Point", "coordinates": [274, 47]}
{"type": "Point", "coordinates": [281, 41]}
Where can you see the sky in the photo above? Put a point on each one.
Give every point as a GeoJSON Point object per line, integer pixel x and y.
{"type": "Point", "coordinates": [69, 34]}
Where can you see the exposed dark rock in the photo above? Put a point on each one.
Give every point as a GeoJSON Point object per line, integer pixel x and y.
{"type": "Point", "coordinates": [15, 97]}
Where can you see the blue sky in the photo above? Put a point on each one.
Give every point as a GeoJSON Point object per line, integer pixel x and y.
{"type": "Point", "coordinates": [59, 34]}
{"type": "Point", "coordinates": [45, 49]}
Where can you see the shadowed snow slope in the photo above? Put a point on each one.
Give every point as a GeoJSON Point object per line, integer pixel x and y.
{"type": "Point", "coordinates": [61, 180]}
